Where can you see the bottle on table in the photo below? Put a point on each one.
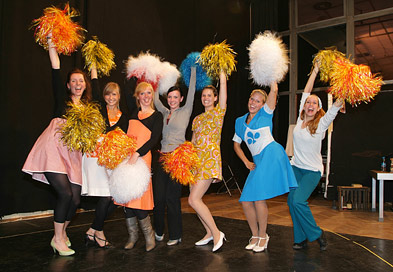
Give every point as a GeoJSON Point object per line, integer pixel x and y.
{"type": "Point", "coordinates": [383, 165]}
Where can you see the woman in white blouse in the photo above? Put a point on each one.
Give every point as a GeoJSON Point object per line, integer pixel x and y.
{"type": "Point", "coordinates": [308, 134]}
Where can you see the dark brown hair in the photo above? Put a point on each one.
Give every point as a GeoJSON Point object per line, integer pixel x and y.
{"type": "Point", "coordinates": [87, 95]}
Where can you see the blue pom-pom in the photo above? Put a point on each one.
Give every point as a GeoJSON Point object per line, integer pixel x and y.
{"type": "Point", "coordinates": [202, 78]}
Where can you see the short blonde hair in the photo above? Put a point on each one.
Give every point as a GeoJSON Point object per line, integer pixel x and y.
{"type": "Point", "coordinates": [140, 88]}
{"type": "Point", "coordinates": [262, 92]}
{"type": "Point", "coordinates": [111, 87]}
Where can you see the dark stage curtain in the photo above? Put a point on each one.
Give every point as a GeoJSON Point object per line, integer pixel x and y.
{"type": "Point", "coordinates": [170, 29]}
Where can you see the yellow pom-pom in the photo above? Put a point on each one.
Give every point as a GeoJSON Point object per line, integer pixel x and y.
{"type": "Point", "coordinates": [114, 148]}
{"type": "Point", "coordinates": [84, 125]}
{"type": "Point", "coordinates": [216, 58]}
{"type": "Point", "coordinates": [354, 83]}
{"type": "Point", "coordinates": [326, 59]}
{"type": "Point", "coordinates": [66, 35]}
{"type": "Point", "coordinates": [98, 54]}
{"type": "Point", "coordinates": [181, 163]}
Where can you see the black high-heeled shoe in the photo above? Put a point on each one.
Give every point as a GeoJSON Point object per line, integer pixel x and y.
{"type": "Point", "coordinates": [322, 241]}
{"type": "Point", "coordinates": [301, 245]}
{"type": "Point", "coordinates": [89, 240]}
{"type": "Point", "coordinates": [107, 244]}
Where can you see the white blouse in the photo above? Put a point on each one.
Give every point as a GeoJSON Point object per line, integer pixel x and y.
{"type": "Point", "coordinates": [307, 147]}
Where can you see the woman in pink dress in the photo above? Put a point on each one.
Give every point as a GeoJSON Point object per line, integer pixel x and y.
{"type": "Point", "coordinates": [51, 162]}
{"type": "Point", "coordinates": [206, 138]}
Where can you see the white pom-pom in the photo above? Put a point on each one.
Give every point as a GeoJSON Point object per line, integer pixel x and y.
{"type": "Point", "coordinates": [145, 67]}
{"type": "Point", "coordinates": [168, 78]}
{"type": "Point", "coordinates": [129, 181]}
{"type": "Point", "coordinates": [268, 59]}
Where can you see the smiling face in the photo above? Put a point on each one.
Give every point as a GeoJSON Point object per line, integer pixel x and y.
{"type": "Point", "coordinates": [112, 99]}
{"type": "Point", "coordinates": [311, 106]}
{"type": "Point", "coordinates": [208, 98]}
{"type": "Point", "coordinates": [174, 99]}
{"type": "Point", "coordinates": [255, 102]}
{"type": "Point", "coordinates": [76, 85]}
{"type": "Point", "coordinates": [145, 97]}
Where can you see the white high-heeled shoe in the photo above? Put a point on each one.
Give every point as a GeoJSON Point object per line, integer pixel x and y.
{"type": "Point", "coordinates": [159, 238]}
{"type": "Point", "coordinates": [258, 248]}
{"type": "Point", "coordinates": [250, 245]}
{"type": "Point", "coordinates": [220, 242]}
{"type": "Point", "coordinates": [173, 242]}
{"type": "Point", "coordinates": [204, 241]}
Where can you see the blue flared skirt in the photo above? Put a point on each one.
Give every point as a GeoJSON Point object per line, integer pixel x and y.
{"type": "Point", "coordinates": [272, 176]}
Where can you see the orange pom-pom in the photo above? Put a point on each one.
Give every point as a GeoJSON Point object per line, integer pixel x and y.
{"type": "Point", "coordinates": [114, 148]}
{"type": "Point", "coordinates": [181, 163]}
{"type": "Point", "coordinates": [67, 36]}
{"type": "Point", "coordinates": [354, 83]}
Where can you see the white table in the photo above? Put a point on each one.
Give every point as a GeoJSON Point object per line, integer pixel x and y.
{"type": "Point", "coordinates": [381, 177]}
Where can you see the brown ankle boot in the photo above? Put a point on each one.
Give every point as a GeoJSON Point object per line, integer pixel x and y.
{"type": "Point", "coordinates": [148, 232]}
{"type": "Point", "coordinates": [132, 227]}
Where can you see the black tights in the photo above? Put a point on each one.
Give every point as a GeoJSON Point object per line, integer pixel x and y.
{"type": "Point", "coordinates": [140, 214]}
{"type": "Point", "coordinates": [104, 208]}
{"type": "Point", "coordinates": [68, 196]}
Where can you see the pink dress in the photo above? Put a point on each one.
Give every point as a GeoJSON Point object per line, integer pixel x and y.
{"type": "Point", "coordinates": [207, 132]}
{"type": "Point", "coordinates": [50, 155]}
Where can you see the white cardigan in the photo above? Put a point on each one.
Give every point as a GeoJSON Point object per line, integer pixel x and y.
{"type": "Point", "coordinates": [307, 147]}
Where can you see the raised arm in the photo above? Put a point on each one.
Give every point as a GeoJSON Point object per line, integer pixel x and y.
{"type": "Point", "coordinates": [96, 91]}
{"type": "Point", "coordinates": [311, 78]}
{"type": "Point", "coordinates": [330, 115]}
{"type": "Point", "coordinates": [93, 72]}
{"type": "Point", "coordinates": [157, 102]}
{"type": "Point", "coordinates": [128, 94]}
{"type": "Point", "coordinates": [222, 97]}
{"type": "Point", "coordinates": [240, 153]}
{"type": "Point", "coordinates": [191, 89]}
{"type": "Point", "coordinates": [272, 97]}
{"type": "Point", "coordinates": [53, 55]}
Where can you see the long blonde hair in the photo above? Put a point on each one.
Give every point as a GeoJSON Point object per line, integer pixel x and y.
{"type": "Point", "coordinates": [312, 125]}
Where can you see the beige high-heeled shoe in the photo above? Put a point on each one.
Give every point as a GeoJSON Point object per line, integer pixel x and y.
{"type": "Point", "coordinates": [68, 252]}
{"type": "Point", "coordinates": [250, 245]}
{"type": "Point", "coordinates": [68, 242]}
{"type": "Point", "coordinates": [258, 248]}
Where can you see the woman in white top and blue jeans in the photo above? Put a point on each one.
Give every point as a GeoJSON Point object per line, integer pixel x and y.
{"type": "Point", "coordinates": [308, 134]}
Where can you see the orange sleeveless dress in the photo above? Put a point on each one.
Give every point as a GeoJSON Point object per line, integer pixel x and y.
{"type": "Point", "coordinates": [142, 134]}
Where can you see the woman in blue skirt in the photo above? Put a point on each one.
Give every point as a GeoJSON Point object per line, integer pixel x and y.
{"type": "Point", "coordinates": [271, 174]}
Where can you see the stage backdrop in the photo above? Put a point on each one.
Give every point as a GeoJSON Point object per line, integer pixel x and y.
{"type": "Point", "coordinates": [170, 29]}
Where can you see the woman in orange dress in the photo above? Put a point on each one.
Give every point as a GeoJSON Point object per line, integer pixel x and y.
{"type": "Point", "coordinates": [206, 138]}
{"type": "Point", "coordinates": [146, 126]}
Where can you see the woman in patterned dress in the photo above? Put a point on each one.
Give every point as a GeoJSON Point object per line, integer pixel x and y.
{"type": "Point", "coordinates": [206, 138]}
{"type": "Point", "coordinates": [271, 174]}
{"type": "Point", "coordinates": [51, 162]}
